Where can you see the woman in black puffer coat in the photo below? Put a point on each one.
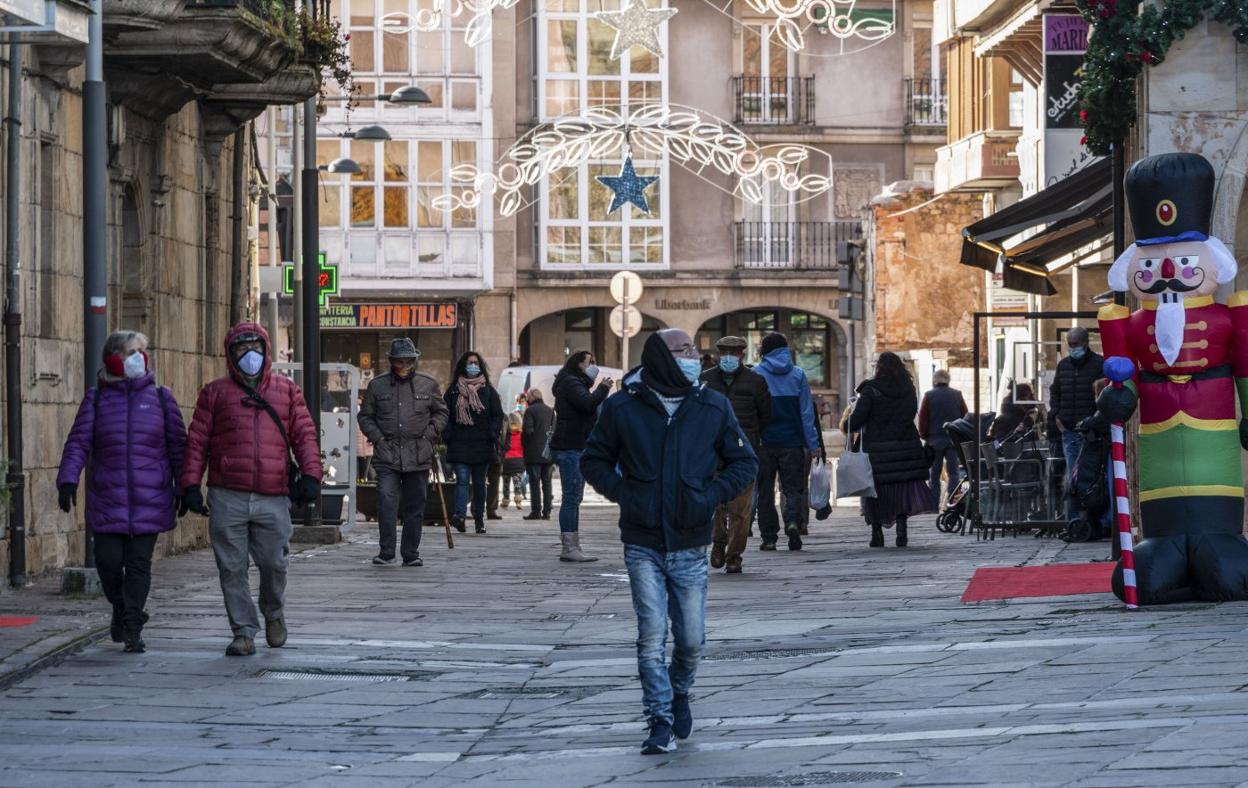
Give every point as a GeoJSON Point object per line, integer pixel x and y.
{"type": "Point", "coordinates": [884, 413]}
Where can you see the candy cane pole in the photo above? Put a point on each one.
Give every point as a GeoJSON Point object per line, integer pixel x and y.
{"type": "Point", "coordinates": [1118, 374]}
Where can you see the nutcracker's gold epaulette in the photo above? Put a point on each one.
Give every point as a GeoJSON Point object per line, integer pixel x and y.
{"type": "Point", "coordinates": [1113, 312]}
{"type": "Point", "coordinates": [1238, 299]}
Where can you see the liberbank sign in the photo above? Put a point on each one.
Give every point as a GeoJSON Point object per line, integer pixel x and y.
{"type": "Point", "coordinates": [389, 316]}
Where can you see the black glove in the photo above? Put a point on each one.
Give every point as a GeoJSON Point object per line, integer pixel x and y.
{"type": "Point", "coordinates": [307, 491]}
{"type": "Point", "coordinates": [68, 496]}
{"type": "Point", "coordinates": [192, 501]}
{"type": "Point", "coordinates": [1116, 403]}
{"type": "Point", "coordinates": [1243, 433]}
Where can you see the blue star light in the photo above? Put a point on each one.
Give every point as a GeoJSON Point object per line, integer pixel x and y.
{"type": "Point", "coordinates": [628, 187]}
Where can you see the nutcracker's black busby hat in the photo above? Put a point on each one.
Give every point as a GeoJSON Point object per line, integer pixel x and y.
{"type": "Point", "coordinates": [1171, 198]}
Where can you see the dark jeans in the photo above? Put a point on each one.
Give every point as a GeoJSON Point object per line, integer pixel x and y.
{"type": "Point", "coordinates": [494, 479]}
{"type": "Point", "coordinates": [474, 475]}
{"type": "Point", "coordinates": [541, 488]}
{"type": "Point", "coordinates": [949, 459]}
{"type": "Point", "coordinates": [401, 493]}
{"type": "Point", "coordinates": [572, 483]}
{"type": "Point", "coordinates": [124, 564]}
{"type": "Point", "coordinates": [790, 466]}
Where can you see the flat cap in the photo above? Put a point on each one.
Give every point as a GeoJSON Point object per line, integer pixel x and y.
{"type": "Point", "coordinates": [731, 343]}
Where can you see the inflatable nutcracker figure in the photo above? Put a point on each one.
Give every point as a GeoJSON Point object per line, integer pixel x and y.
{"type": "Point", "coordinates": [1191, 354]}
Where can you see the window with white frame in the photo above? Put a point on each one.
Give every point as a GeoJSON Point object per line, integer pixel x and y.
{"type": "Point", "coordinates": [766, 87]}
{"type": "Point", "coordinates": [575, 72]}
{"type": "Point", "coordinates": [574, 58]}
{"type": "Point", "coordinates": [768, 232]}
{"type": "Point", "coordinates": [387, 54]}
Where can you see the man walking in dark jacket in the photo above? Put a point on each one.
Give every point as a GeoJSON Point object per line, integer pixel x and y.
{"type": "Point", "coordinates": [668, 451]}
{"type": "Point", "coordinates": [751, 403]}
{"type": "Point", "coordinates": [941, 404]}
{"type": "Point", "coordinates": [1072, 399]}
{"type": "Point", "coordinates": [535, 434]}
{"type": "Point", "coordinates": [402, 416]}
{"type": "Point", "coordinates": [789, 438]}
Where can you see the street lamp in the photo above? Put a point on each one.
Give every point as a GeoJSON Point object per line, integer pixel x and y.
{"type": "Point", "coordinates": [344, 166]}
{"type": "Point", "coordinates": [373, 133]}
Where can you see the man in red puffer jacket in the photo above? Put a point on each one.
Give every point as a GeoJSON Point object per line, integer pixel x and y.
{"type": "Point", "coordinates": [235, 433]}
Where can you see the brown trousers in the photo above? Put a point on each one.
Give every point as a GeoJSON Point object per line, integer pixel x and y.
{"type": "Point", "coordinates": [732, 523]}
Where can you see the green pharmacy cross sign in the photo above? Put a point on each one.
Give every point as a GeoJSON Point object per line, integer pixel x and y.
{"type": "Point", "coordinates": [328, 279]}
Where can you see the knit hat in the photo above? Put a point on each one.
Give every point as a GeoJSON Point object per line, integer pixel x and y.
{"type": "Point", "coordinates": [773, 341]}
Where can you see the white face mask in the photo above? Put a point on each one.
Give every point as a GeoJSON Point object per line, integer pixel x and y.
{"type": "Point", "coordinates": [591, 372]}
{"type": "Point", "coordinates": [251, 363]}
{"type": "Point", "coordinates": [135, 365]}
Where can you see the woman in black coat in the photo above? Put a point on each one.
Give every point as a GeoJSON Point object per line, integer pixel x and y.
{"type": "Point", "coordinates": [539, 423]}
{"type": "Point", "coordinates": [476, 421]}
{"type": "Point", "coordinates": [576, 411]}
{"type": "Point", "coordinates": [884, 413]}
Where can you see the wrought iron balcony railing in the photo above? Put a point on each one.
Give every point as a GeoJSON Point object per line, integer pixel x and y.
{"type": "Point", "coordinates": [774, 101]}
{"type": "Point", "coordinates": [927, 102]}
{"type": "Point", "coordinates": [793, 245]}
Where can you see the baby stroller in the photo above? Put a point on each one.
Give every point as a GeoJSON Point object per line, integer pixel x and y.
{"type": "Point", "coordinates": [952, 519]}
{"type": "Point", "coordinates": [1089, 481]}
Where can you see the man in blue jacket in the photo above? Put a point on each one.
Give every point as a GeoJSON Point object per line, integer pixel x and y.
{"type": "Point", "coordinates": [790, 437]}
{"type": "Point", "coordinates": [669, 451]}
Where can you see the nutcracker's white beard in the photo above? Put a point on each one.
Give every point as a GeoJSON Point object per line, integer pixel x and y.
{"type": "Point", "coordinates": [1169, 324]}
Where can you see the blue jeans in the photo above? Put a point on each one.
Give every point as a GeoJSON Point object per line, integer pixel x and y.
{"type": "Point", "coordinates": [667, 585]}
{"type": "Point", "coordinates": [573, 485]}
{"type": "Point", "coordinates": [466, 474]}
{"type": "Point", "coordinates": [1072, 444]}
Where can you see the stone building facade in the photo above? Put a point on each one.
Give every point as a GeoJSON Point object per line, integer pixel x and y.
{"type": "Point", "coordinates": [181, 78]}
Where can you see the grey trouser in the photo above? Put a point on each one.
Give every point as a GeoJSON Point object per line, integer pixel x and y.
{"type": "Point", "coordinates": [243, 524]}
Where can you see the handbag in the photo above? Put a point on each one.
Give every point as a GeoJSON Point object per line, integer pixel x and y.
{"type": "Point", "coordinates": [293, 473]}
{"type": "Point", "coordinates": [547, 454]}
{"type": "Point", "coordinates": [853, 473]}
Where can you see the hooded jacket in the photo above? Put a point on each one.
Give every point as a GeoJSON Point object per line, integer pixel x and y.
{"type": "Point", "coordinates": [885, 414]}
{"type": "Point", "coordinates": [576, 408]}
{"type": "Point", "coordinates": [667, 473]}
{"type": "Point", "coordinates": [237, 441]}
{"type": "Point", "coordinates": [792, 423]}
{"type": "Point", "coordinates": [132, 445]}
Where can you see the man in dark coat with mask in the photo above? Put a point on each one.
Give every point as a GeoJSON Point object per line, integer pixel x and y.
{"type": "Point", "coordinates": [668, 450]}
{"type": "Point", "coordinates": [1072, 397]}
{"type": "Point", "coordinates": [402, 416]}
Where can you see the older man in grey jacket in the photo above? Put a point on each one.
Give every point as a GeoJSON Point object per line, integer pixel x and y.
{"type": "Point", "coordinates": [403, 414]}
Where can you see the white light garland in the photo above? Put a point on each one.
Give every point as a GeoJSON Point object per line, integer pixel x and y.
{"type": "Point", "coordinates": [476, 32]}
{"type": "Point", "coordinates": [693, 139]}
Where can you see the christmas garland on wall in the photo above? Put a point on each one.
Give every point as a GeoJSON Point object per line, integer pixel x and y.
{"type": "Point", "coordinates": [1124, 39]}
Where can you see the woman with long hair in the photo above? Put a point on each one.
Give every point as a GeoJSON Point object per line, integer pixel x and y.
{"type": "Point", "coordinates": [476, 421]}
{"type": "Point", "coordinates": [130, 438]}
{"type": "Point", "coordinates": [576, 410]}
{"type": "Point", "coordinates": [884, 415]}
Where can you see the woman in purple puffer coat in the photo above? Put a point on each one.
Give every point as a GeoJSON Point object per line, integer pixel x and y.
{"type": "Point", "coordinates": [130, 437]}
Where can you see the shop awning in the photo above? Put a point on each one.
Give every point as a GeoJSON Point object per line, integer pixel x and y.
{"type": "Point", "coordinates": [1076, 213]}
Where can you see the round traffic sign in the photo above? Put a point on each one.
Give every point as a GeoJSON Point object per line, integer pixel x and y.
{"type": "Point", "coordinates": [626, 280]}
{"type": "Point", "coordinates": [620, 324]}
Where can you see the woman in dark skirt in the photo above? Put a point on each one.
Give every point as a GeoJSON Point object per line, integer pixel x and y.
{"type": "Point", "coordinates": [884, 414]}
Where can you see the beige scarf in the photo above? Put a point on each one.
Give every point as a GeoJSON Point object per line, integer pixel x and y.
{"type": "Point", "coordinates": [469, 400]}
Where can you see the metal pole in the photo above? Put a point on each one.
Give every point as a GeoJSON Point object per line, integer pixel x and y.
{"type": "Point", "coordinates": [296, 232]}
{"type": "Point", "coordinates": [15, 478]}
{"type": "Point", "coordinates": [94, 213]}
{"type": "Point", "coordinates": [271, 320]}
{"type": "Point", "coordinates": [236, 227]}
{"type": "Point", "coordinates": [311, 278]}
{"type": "Point", "coordinates": [976, 480]}
{"type": "Point", "coordinates": [624, 332]}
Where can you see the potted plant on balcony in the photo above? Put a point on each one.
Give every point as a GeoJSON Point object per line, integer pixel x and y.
{"type": "Point", "coordinates": [326, 48]}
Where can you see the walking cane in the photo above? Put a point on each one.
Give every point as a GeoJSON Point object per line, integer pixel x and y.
{"type": "Point", "coordinates": [1119, 371]}
{"type": "Point", "coordinates": [446, 520]}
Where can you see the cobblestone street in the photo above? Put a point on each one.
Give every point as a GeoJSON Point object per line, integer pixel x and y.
{"type": "Point", "coordinates": [495, 664]}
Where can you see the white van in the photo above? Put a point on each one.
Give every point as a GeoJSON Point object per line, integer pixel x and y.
{"type": "Point", "coordinates": [514, 381]}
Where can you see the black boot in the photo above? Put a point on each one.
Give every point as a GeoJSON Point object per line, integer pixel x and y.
{"type": "Point", "coordinates": [457, 523]}
{"type": "Point", "coordinates": [480, 526]}
{"type": "Point", "coordinates": [877, 535]}
{"type": "Point", "coordinates": [902, 536]}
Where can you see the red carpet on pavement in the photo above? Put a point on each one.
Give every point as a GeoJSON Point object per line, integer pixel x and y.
{"type": "Point", "coordinates": [1011, 582]}
{"type": "Point", "coordinates": [17, 621]}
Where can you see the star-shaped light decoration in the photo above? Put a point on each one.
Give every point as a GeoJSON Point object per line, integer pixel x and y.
{"type": "Point", "coordinates": [636, 25]}
{"type": "Point", "coordinates": [628, 187]}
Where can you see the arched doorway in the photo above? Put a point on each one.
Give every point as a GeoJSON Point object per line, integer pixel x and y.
{"type": "Point", "coordinates": [820, 347]}
{"type": "Point", "coordinates": [550, 339]}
